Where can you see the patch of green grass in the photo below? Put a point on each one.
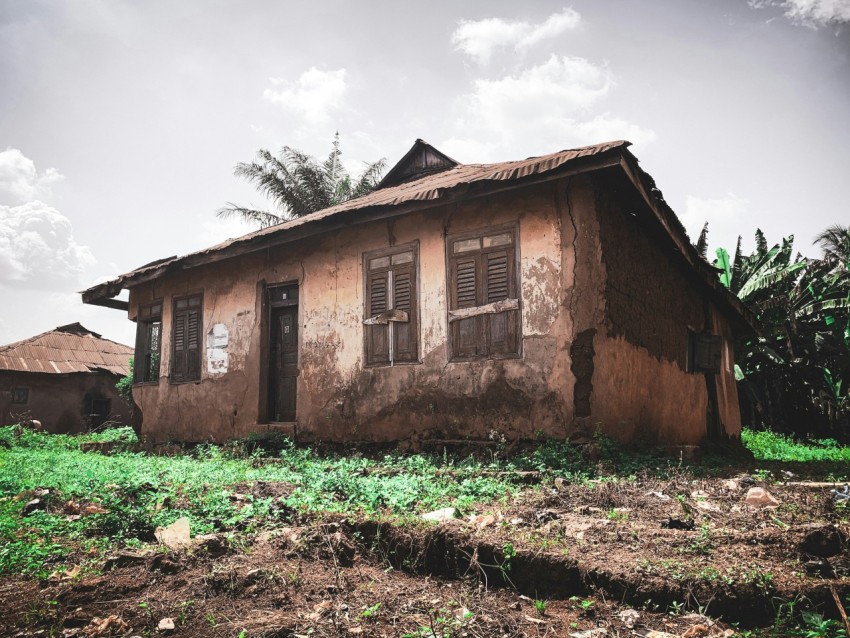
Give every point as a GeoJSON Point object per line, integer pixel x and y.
{"type": "Point", "coordinates": [140, 492]}
{"type": "Point", "coordinates": [770, 446]}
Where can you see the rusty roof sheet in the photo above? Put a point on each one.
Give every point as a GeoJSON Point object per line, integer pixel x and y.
{"type": "Point", "coordinates": [430, 187]}
{"type": "Point", "coordinates": [64, 350]}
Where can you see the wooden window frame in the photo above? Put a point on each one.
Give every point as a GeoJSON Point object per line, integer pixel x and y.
{"type": "Point", "coordinates": [26, 392]}
{"type": "Point", "coordinates": [148, 315]}
{"type": "Point", "coordinates": [172, 377]}
{"type": "Point", "coordinates": [370, 359]}
{"type": "Point", "coordinates": [484, 309]}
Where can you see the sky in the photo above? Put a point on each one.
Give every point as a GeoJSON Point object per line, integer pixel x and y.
{"type": "Point", "coordinates": [121, 121]}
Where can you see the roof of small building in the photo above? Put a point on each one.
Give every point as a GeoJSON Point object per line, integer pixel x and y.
{"type": "Point", "coordinates": [431, 178]}
{"type": "Point", "coordinates": [66, 349]}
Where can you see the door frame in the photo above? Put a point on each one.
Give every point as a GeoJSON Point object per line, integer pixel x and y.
{"type": "Point", "coordinates": [268, 305]}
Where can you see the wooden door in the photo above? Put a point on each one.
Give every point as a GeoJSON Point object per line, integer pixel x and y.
{"type": "Point", "coordinates": [283, 363]}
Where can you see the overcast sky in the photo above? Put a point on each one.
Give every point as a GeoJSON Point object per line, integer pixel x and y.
{"type": "Point", "coordinates": [120, 122]}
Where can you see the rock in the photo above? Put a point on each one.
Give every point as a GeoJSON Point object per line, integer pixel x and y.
{"type": "Point", "coordinates": [629, 617]}
{"type": "Point", "coordinates": [661, 496]}
{"type": "Point", "coordinates": [560, 484]}
{"type": "Point", "coordinates": [707, 506]}
{"type": "Point", "coordinates": [760, 497]}
{"type": "Point", "coordinates": [699, 494]}
{"type": "Point", "coordinates": [176, 535]}
{"type": "Point", "coordinates": [825, 542]}
{"type": "Point", "coordinates": [696, 630]}
{"type": "Point", "coordinates": [166, 624]}
{"type": "Point", "coordinates": [441, 515]}
{"type": "Point", "coordinates": [731, 484]}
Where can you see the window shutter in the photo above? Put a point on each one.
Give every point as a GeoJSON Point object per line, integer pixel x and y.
{"type": "Point", "coordinates": [193, 341]}
{"type": "Point", "coordinates": [483, 272]}
{"type": "Point", "coordinates": [497, 277]}
{"type": "Point", "coordinates": [404, 333]}
{"type": "Point", "coordinates": [501, 327]}
{"type": "Point", "coordinates": [466, 332]}
{"type": "Point", "coordinates": [186, 340]}
{"type": "Point", "coordinates": [377, 336]}
{"type": "Point", "coordinates": [178, 366]}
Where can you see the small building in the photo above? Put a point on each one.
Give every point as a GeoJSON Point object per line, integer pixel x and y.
{"type": "Point", "coordinates": [539, 297]}
{"type": "Point", "coordinates": [65, 379]}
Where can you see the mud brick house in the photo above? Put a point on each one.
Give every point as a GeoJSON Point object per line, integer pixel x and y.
{"type": "Point", "coordinates": [65, 379]}
{"type": "Point", "coordinates": [527, 298]}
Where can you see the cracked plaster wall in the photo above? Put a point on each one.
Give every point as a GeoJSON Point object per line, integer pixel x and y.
{"type": "Point", "coordinates": [338, 398]}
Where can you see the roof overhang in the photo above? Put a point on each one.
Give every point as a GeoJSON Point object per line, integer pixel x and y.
{"type": "Point", "coordinates": [615, 156]}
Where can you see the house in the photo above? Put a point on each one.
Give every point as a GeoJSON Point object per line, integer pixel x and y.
{"type": "Point", "coordinates": [64, 378]}
{"type": "Point", "coordinates": [538, 297]}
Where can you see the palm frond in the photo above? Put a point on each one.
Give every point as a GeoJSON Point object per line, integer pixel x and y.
{"type": "Point", "coordinates": [260, 217]}
{"type": "Point", "coordinates": [702, 242]}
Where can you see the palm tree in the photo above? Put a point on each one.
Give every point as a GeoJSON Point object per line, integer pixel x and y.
{"type": "Point", "coordinates": [297, 184]}
{"type": "Point", "coordinates": [835, 243]}
{"type": "Point", "coordinates": [794, 375]}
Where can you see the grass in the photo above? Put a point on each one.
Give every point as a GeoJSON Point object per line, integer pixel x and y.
{"type": "Point", "coordinates": [134, 492]}
{"type": "Point", "coordinates": [770, 446]}
{"type": "Point", "coordinates": [140, 492]}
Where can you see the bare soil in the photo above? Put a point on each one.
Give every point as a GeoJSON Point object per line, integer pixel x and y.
{"type": "Point", "coordinates": [591, 553]}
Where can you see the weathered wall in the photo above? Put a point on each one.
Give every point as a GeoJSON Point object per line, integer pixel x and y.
{"type": "Point", "coordinates": [59, 401]}
{"type": "Point", "coordinates": [605, 319]}
{"type": "Point", "coordinates": [337, 397]}
{"type": "Point", "coordinates": [641, 390]}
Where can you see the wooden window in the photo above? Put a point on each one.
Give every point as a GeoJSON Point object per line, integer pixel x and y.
{"type": "Point", "coordinates": [704, 352]}
{"type": "Point", "coordinates": [484, 319]}
{"type": "Point", "coordinates": [148, 343]}
{"type": "Point", "coordinates": [390, 331]}
{"type": "Point", "coordinates": [20, 396]}
{"type": "Point", "coordinates": [186, 339]}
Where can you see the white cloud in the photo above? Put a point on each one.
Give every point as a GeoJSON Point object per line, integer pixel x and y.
{"type": "Point", "coordinates": [20, 182]}
{"type": "Point", "coordinates": [725, 216]}
{"type": "Point", "coordinates": [810, 13]}
{"type": "Point", "coordinates": [37, 248]}
{"type": "Point", "coordinates": [479, 38]}
{"type": "Point", "coordinates": [815, 13]}
{"type": "Point", "coordinates": [541, 109]}
{"type": "Point", "coordinates": [313, 96]}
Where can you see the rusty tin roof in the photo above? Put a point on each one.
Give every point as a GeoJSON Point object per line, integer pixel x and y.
{"type": "Point", "coordinates": [452, 184]}
{"type": "Point", "coordinates": [66, 349]}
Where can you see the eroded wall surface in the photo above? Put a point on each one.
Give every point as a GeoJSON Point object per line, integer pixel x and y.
{"type": "Point", "coordinates": [605, 317]}
{"type": "Point", "coordinates": [641, 389]}
{"type": "Point", "coordinates": [338, 398]}
{"type": "Point", "coordinates": [60, 401]}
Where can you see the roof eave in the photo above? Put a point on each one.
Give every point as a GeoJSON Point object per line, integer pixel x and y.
{"type": "Point", "coordinates": [103, 294]}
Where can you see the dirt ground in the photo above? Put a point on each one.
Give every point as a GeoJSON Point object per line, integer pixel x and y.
{"type": "Point", "coordinates": [684, 556]}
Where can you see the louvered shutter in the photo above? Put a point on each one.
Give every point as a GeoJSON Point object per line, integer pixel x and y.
{"type": "Point", "coordinates": [186, 340]}
{"type": "Point", "coordinates": [178, 364]}
{"type": "Point", "coordinates": [500, 327]}
{"type": "Point", "coordinates": [193, 345]}
{"type": "Point", "coordinates": [465, 289]}
{"type": "Point", "coordinates": [404, 298]}
{"type": "Point", "coordinates": [377, 336]}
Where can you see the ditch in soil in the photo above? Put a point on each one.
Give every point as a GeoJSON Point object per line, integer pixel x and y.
{"type": "Point", "coordinates": [557, 560]}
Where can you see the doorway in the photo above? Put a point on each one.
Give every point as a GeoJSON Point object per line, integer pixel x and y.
{"type": "Point", "coordinates": [283, 352]}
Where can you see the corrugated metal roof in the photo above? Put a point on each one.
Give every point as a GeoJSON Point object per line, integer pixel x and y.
{"type": "Point", "coordinates": [66, 349]}
{"type": "Point", "coordinates": [430, 187]}
{"type": "Point", "coordinates": [434, 187]}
